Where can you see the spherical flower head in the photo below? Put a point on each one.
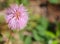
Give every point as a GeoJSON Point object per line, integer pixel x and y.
{"type": "Point", "coordinates": [17, 16]}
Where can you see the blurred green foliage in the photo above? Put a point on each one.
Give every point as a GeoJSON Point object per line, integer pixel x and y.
{"type": "Point", "coordinates": [1, 38]}
{"type": "Point", "coordinates": [2, 19]}
{"type": "Point", "coordinates": [24, 2]}
{"type": "Point", "coordinates": [54, 1]}
{"type": "Point", "coordinates": [28, 40]}
{"type": "Point", "coordinates": [3, 4]}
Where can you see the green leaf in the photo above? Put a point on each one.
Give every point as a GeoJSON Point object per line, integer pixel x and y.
{"type": "Point", "coordinates": [25, 2]}
{"type": "Point", "coordinates": [10, 1]}
{"type": "Point", "coordinates": [2, 19]}
{"type": "Point", "coordinates": [28, 40]}
{"type": "Point", "coordinates": [58, 29]}
{"type": "Point", "coordinates": [54, 1]}
{"type": "Point", "coordinates": [35, 35]}
{"type": "Point", "coordinates": [49, 34]}
{"type": "Point", "coordinates": [41, 30]}
{"type": "Point", "coordinates": [1, 39]}
{"type": "Point", "coordinates": [44, 22]}
{"type": "Point", "coordinates": [17, 1]}
{"type": "Point", "coordinates": [11, 38]}
{"type": "Point", "coordinates": [7, 34]}
{"type": "Point", "coordinates": [21, 36]}
{"type": "Point", "coordinates": [55, 42]}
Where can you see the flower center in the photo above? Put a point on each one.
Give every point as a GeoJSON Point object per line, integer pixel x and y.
{"type": "Point", "coordinates": [17, 14]}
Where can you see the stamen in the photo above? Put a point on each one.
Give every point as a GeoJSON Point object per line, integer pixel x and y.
{"type": "Point", "coordinates": [17, 14]}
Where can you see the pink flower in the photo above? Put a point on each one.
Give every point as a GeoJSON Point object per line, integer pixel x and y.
{"type": "Point", "coordinates": [17, 17]}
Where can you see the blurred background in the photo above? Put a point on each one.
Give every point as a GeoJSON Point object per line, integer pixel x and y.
{"type": "Point", "coordinates": [43, 26]}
